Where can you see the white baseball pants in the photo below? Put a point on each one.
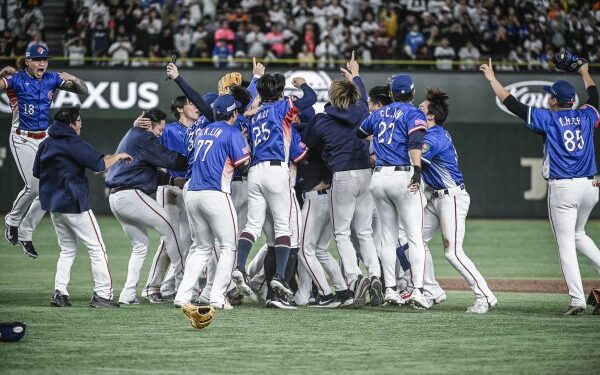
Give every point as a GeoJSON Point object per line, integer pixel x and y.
{"type": "Point", "coordinates": [570, 202]}
{"type": "Point", "coordinates": [239, 196]}
{"type": "Point", "coordinates": [398, 207]}
{"type": "Point", "coordinates": [83, 227]}
{"type": "Point", "coordinates": [211, 215]}
{"type": "Point", "coordinates": [351, 206]}
{"type": "Point", "coordinates": [26, 211]}
{"type": "Point", "coordinates": [162, 273]}
{"type": "Point", "coordinates": [137, 212]}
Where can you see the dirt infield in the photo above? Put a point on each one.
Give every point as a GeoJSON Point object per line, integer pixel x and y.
{"type": "Point", "coordinates": [520, 285]}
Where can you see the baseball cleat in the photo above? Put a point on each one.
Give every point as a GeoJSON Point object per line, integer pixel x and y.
{"type": "Point", "coordinates": [437, 300]}
{"type": "Point", "coordinates": [376, 292]}
{"type": "Point", "coordinates": [28, 249]}
{"type": "Point", "coordinates": [222, 306]}
{"type": "Point", "coordinates": [11, 234]}
{"type": "Point", "coordinates": [235, 297]}
{"type": "Point", "coordinates": [392, 297]}
{"type": "Point", "coordinates": [281, 287]}
{"type": "Point", "coordinates": [345, 297]}
{"type": "Point", "coordinates": [328, 301]}
{"type": "Point", "coordinates": [155, 297]}
{"type": "Point", "coordinates": [574, 310]}
{"type": "Point", "coordinates": [60, 300]}
{"type": "Point", "coordinates": [361, 287]}
{"type": "Point", "coordinates": [240, 278]}
{"type": "Point", "coordinates": [418, 300]}
{"type": "Point", "coordinates": [168, 296]}
{"type": "Point", "coordinates": [99, 302]}
{"type": "Point", "coordinates": [135, 301]}
{"type": "Point", "coordinates": [202, 301]}
{"type": "Point", "coordinates": [482, 306]}
{"type": "Point", "coordinates": [280, 303]}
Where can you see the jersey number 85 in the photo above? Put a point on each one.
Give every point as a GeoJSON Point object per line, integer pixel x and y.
{"type": "Point", "coordinates": [573, 140]}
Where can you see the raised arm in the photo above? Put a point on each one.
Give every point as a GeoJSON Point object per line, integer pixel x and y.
{"type": "Point", "coordinates": [6, 72]}
{"type": "Point", "coordinates": [258, 70]}
{"type": "Point", "coordinates": [110, 160]}
{"type": "Point", "coordinates": [193, 95]}
{"type": "Point", "coordinates": [590, 86]}
{"type": "Point", "coordinates": [351, 74]}
{"type": "Point", "coordinates": [309, 96]}
{"type": "Point", "coordinates": [73, 84]}
{"type": "Point", "coordinates": [510, 102]}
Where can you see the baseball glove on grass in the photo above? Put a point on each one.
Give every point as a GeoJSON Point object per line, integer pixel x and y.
{"type": "Point", "coordinates": [594, 300]}
{"type": "Point", "coordinates": [568, 62]}
{"type": "Point", "coordinates": [199, 316]}
{"type": "Point", "coordinates": [229, 79]}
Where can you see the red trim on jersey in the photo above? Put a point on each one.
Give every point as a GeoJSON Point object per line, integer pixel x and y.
{"type": "Point", "coordinates": [287, 120]}
{"type": "Point", "coordinates": [424, 128]}
{"type": "Point", "coordinates": [241, 161]}
{"type": "Point", "coordinates": [302, 155]}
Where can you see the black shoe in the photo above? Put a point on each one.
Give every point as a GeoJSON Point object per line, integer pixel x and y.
{"type": "Point", "coordinates": [60, 300]}
{"type": "Point", "coordinates": [575, 310]}
{"type": "Point", "coordinates": [328, 301]}
{"type": "Point", "coordinates": [29, 249]}
{"type": "Point", "coordinates": [281, 287]}
{"type": "Point", "coordinates": [361, 287]}
{"type": "Point", "coordinates": [376, 292]}
{"type": "Point", "coordinates": [345, 297]}
{"type": "Point", "coordinates": [155, 297]}
{"type": "Point", "coordinates": [235, 297]}
{"type": "Point", "coordinates": [99, 302]}
{"type": "Point", "coordinates": [280, 303]}
{"type": "Point", "coordinates": [11, 234]}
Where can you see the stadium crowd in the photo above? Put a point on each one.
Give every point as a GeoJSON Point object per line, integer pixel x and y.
{"type": "Point", "coordinates": [455, 33]}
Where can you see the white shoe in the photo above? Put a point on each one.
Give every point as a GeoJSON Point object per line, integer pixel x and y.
{"type": "Point", "coordinates": [239, 278]}
{"type": "Point", "coordinates": [482, 306]}
{"type": "Point", "coordinates": [418, 300]}
{"type": "Point", "coordinates": [203, 300]}
{"type": "Point", "coordinates": [392, 297]}
{"type": "Point", "coordinates": [437, 300]}
{"type": "Point", "coordinates": [222, 306]}
{"type": "Point", "coordinates": [135, 301]}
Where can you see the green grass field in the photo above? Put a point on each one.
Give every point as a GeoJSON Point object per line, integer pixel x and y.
{"type": "Point", "coordinates": [526, 333]}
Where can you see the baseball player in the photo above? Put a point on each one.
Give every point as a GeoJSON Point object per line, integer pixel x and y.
{"type": "Point", "coordinates": [220, 147]}
{"type": "Point", "coordinates": [130, 186]}
{"type": "Point", "coordinates": [347, 158]}
{"type": "Point", "coordinates": [60, 165]}
{"type": "Point", "coordinates": [268, 177]}
{"type": "Point", "coordinates": [30, 92]}
{"type": "Point", "coordinates": [398, 130]}
{"type": "Point", "coordinates": [447, 209]}
{"type": "Point", "coordinates": [569, 167]}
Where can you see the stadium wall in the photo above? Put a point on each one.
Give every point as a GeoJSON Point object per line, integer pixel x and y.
{"type": "Point", "coordinates": [501, 161]}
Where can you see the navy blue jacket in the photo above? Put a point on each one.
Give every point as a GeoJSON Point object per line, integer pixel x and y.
{"type": "Point", "coordinates": [334, 133]}
{"type": "Point", "coordinates": [148, 155]}
{"type": "Point", "coordinates": [60, 165]}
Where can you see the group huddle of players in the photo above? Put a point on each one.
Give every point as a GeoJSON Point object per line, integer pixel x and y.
{"type": "Point", "coordinates": [249, 160]}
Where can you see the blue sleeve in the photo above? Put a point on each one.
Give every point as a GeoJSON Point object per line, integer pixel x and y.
{"type": "Point", "coordinates": [298, 148]}
{"type": "Point", "coordinates": [238, 150]}
{"type": "Point", "coordinates": [56, 81]}
{"type": "Point", "coordinates": [88, 156]}
{"type": "Point", "coordinates": [366, 127]}
{"type": "Point", "coordinates": [361, 88]}
{"type": "Point", "coordinates": [538, 119]}
{"type": "Point", "coordinates": [308, 99]}
{"type": "Point", "coordinates": [195, 97]}
{"type": "Point", "coordinates": [12, 81]}
{"type": "Point", "coordinates": [416, 121]}
{"type": "Point", "coordinates": [252, 90]}
{"type": "Point", "coordinates": [592, 114]}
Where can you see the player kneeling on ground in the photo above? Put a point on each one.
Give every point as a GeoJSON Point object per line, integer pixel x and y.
{"type": "Point", "coordinates": [60, 165]}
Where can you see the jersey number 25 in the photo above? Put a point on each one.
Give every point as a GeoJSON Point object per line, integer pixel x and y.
{"type": "Point", "coordinates": [260, 133]}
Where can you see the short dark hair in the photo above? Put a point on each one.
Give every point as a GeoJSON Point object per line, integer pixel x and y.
{"type": "Point", "coordinates": [224, 116]}
{"type": "Point", "coordinates": [155, 115]}
{"type": "Point", "coordinates": [67, 115]}
{"type": "Point", "coordinates": [270, 87]}
{"type": "Point", "coordinates": [438, 104]}
{"type": "Point", "coordinates": [403, 97]}
{"type": "Point", "coordinates": [240, 94]}
{"type": "Point", "coordinates": [560, 104]}
{"type": "Point", "coordinates": [380, 94]}
{"type": "Point", "coordinates": [178, 103]}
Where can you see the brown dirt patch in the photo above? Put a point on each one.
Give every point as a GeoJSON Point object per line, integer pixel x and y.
{"type": "Point", "coordinates": [520, 285]}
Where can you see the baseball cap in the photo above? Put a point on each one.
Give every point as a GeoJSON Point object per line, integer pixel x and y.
{"type": "Point", "coordinates": [210, 97]}
{"type": "Point", "coordinates": [401, 84]}
{"type": "Point", "coordinates": [225, 105]}
{"type": "Point", "coordinates": [37, 51]}
{"type": "Point", "coordinates": [12, 331]}
{"type": "Point", "coordinates": [563, 91]}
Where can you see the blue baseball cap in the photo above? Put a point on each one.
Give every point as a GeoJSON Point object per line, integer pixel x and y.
{"type": "Point", "coordinates": [401, 84]}
{"type": "Point", "coordinates": [37, 51]}
{"type": "Point", "coordinates": [210, 97]}
{"type": "Point", "coordinates": [12, 331]}
{"type": "Point", "coordinates": [225, 105]}
{"type": "Point", "coordinates": [563, 91]}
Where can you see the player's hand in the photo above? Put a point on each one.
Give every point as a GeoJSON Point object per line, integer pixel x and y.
{"type": "Point", "coordinates": [7, 71]}
{"type": "Point", "coordinates": [298, 81]}
{"type": "Point", "coordinates": [67, 77]}
{"type": "Point", "coordinates": [584, 69]}
{"type": "Point", "coordinates": [415, 180]}
{"type": "Point", "coordinates": [142, 122]}
{"type": "Point", "coordinates": [125, 156]}
{"type": "Point", "coordinates": [172, 71]}
{"type": "Point", "coordinates": [351, 70]}
{"type": "Point", "coordinates": [488, 70]}
{"type": "Point", "coordinates": [251, 112]}
{"type": "Point", "coordinates": [258, 69]}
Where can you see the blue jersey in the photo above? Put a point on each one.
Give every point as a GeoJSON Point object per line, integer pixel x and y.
{"type": "Point", "coordinates": [219, 148]}
{"type": "Point", "coordinates": [569, 140]}
{"type": "Point", "coordinates": [391, 125]}
{"type": "Point", "coordinates": [440, 170]}
{"type": "Point", "coordinates": [173, 138]}
{"type": "Point", "coordinates": [271, 131]}
{"type": "Point", "coordinates": [30, 99]}
{"type": "Point", "coordinates": [298, 149]}
{"type": "Point", "coordinates": [190, 137]}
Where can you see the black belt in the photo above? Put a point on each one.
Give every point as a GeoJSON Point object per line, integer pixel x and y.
{"type": "Point", "coordinates": [240, 178]}
{"type": "Point", "coordinates": [396, 168]}
{"type": "Point", "coordinates": [441, 193]}
{"type": "Point", "coordinates": [120, 188]}
{"type": "Point", "coordinates": [276, 162]}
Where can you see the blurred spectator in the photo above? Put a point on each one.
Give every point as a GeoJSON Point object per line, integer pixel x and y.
{"type": "Point", "coordinates": [444, 53]}
{"type": "Point", "coordinates": [76, 51]}
{"type": "Point", "coordinates": [326, 52]}
{"type": "Point", "coordinates": [413, 41]}
{"type": "Point", "coordinates": [256, 40]}
{"type": "Point", "coordinates": [99, 36]}
{"type": "Point", "coordinates": [183, 41]}
{"type": "Point", "coordinates": [120, 50]}
{"type": "Point", "coordinates": [469, 56]}
{"type": "Point", "coordinates": [305, 57]}
{"type": "Point", "coordinates": [98, 10]}
{"type": "Point", "coordinates": [221, 55]}
{"type": "Point", "coordinates": [275, 39]}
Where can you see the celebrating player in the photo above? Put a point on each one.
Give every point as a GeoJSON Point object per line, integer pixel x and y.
{"type": "Point", "coordinates": [569, 167]}
{"type": "Point", "coordinates": [60, 165]}
{"type": "Point", "coordinates": [396, 183]}
{"type": "Point", "coordinates": [448, 207]}
{"type": "Point", "coordinates": [30, 91]}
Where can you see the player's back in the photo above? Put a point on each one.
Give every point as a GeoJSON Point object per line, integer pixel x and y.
{"type": "Point", "coordinates": [271, 131]}
{"type": "Point", "coordinates": [440, 170]}
{"type": "Point", "coordinates": [569, 140]}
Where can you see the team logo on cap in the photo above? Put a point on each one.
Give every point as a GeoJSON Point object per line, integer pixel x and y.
{"type": "Point", "coordinates": [41, 50]}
